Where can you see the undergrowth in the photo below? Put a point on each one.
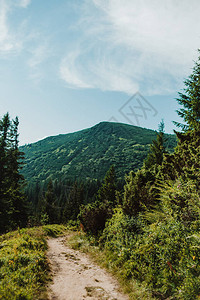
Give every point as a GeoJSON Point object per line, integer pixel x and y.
{"type": "Point", "coordinates": [24, 268]}
{"type": "Point", "coordinates": [88, 244]}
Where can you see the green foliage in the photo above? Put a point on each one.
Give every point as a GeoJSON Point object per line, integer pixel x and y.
{"type": "Point", "coordinates": [140, 191]}
{"type": "Point", "coordinates": [185, 160]}
{"type": "Point", "coordinates": [88, 154]}
{"type": "Point", "coordinates": [164, 255]}
{"type": "Point", "coordinates": [74, 200]}
{"type": "Point", "coordinates": [106, 193]}
{"type": "Point", "coordinates": [157, 149]}
{"type": "Point", "coordinates": [154, 236]}
{"type": "Point", "coordinates": [93, 216]}
{"type": "Point", "coordinates": [23, 264]}
{"type": "Point", "coordinates": [50, 205]}
{"type": "Point", "coordinates": [13, 208]}
{"type": "Point", "coordinates": [54, 230]}
{"type": "Point", "coordinates": [190, 100]}
{"type": "Point", "coordinates": [137, 194]}
{"type": "Point", "coordinates": [180, 200]}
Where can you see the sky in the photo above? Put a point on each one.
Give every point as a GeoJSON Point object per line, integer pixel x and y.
{"type": "Point", "coordinates": [67, 65]}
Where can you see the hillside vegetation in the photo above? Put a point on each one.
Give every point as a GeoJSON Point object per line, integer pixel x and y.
{"type": "Point", "coordinates": [150, 229]}
{"type": "Point", "coordinates": [24, 268]}
{"type": "Point", "coordinates": [89, 153]}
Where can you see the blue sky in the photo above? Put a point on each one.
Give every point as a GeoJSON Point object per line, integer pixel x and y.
{"type": "Point", "coordinates": [66, 65]}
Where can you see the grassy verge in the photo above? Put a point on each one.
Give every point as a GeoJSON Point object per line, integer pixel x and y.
{"type": "Point", "coordinates": [135, 290]}
{"type": "Point", "coordinates": [24, 267]}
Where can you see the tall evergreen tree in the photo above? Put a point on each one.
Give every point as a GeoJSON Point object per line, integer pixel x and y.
{"type": "Point", "coordinates": [185, 161]}
{"type": "Point", "coordinates": [50, 204]}
{"type": "Point", "coordinates": [13, 209]}
{"type": "Point", "coordinates": [139, 190]}
{"type": "Point", "coordinates": [73, 202]}
{"type": "Point", "coordinates": [190, 100]}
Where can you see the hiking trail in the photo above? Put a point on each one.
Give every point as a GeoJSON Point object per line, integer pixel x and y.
{"type": "Point", "coordinates": [76, 277]}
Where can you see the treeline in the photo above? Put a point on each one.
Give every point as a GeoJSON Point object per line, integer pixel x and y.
{"type": "Point", "coordinates": [58, 201]}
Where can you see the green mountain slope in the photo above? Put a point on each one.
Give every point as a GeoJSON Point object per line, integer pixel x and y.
{"type": "Point", "coordinates": [89, 153]}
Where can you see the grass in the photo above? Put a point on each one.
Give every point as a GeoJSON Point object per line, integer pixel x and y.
{"type": "Point", "coordinates": [24, 268]}
{"type": "Point", "coordinates": [135, 290]}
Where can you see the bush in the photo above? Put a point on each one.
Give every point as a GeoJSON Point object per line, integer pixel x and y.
{"type": "Point", "coordinates": [23, 262]}
{"type": "Point", "coordinates": [93, 217]}
{"type": "Point", "coordinates": [160, 248]}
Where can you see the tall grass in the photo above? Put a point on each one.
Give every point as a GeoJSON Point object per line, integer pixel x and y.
{"type": "Point", "coordinates": [104, 258]}
{"type": "Point", "coordinates": [24, 268]}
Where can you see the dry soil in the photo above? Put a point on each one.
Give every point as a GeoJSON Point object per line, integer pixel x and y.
{"type": "Point", "coordinates": [76, 277]}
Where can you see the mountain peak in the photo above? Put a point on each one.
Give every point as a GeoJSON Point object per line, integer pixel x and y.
{"type": "Point", "coordinates": [89, 153]}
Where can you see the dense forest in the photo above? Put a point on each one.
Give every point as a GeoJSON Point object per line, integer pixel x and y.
{"type": "Point", "coordinates": [148, 224]}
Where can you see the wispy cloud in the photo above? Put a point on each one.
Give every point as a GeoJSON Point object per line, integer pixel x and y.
{"type": "Point", "coordinates": [39, 54]}
{"type": "Point", "coordinates": [9, 40]}
{"type": "Point", "coordinates": [131, 45]}
{"type": "Point", "coordinates": [24, 3]}
{"type": "Point", "coordinates": [6, 41]}
{"type": "Point", "coordinates": [70, 71]}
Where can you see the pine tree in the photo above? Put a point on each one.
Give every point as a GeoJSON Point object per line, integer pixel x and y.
{"type": "Point", "coordinates": [190, 100]}
{"type": "Point", "coordinates": [13, 209]}
{"type": "Point", "coordinates": [50, 204]}
{"type": "Point", "coordinates": [157, 149]}
{"type": "Point", "coordinates": [139, 190]}
{"type": "Point", "coordinates": [107, 192]}
{"type": "Point", "coordinates": [185, 160]}
{"type": "Point", "coordinates": [73, 202]}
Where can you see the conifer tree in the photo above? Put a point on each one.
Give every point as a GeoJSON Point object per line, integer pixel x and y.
{"type": "Point", "coordinates": [73, 202]}
{"type": "Point", "coordinates": [107, 192]}
{"type": "Point", "coordinates": [185, 161]}
{"type": "Point", "coordinates": [13, 209]}
{"type": "Point", "coordinates": [50, 204]}
{"type": "Point", "coordinates": [190, 100]}
{"type": "Point", "coordinates": [139, 190]}
{"type": "Point", "coordinates": [157, 149]}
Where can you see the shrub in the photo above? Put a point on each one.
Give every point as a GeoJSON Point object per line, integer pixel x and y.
{"type": "Point", "coordinates": [93, 217]}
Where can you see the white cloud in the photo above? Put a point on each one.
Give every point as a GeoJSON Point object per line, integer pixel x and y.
{"type": "Point", "coordinates": [130, 45]}
{"type": "Point", "coordinates": [6, 43]}
{"type": "Point", "coordinates": [70, 73]}
{"type": "Point", "coordinates": [9, 41]}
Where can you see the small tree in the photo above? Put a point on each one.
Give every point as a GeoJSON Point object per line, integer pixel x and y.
{"type": "Point", "coordinates": [107, 192]}
{"type": "Point", "coordinates": [157, 149]}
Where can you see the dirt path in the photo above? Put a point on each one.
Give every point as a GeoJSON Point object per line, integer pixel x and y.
{"type": "Point", "coordinates": [75, 277]}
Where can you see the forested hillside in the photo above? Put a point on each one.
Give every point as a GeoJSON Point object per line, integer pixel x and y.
{"type": "Point", "coordinates": [89, 153]}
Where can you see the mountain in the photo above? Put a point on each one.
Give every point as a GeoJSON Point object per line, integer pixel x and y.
{"type": "Point", "coordinates": [89, 153]}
